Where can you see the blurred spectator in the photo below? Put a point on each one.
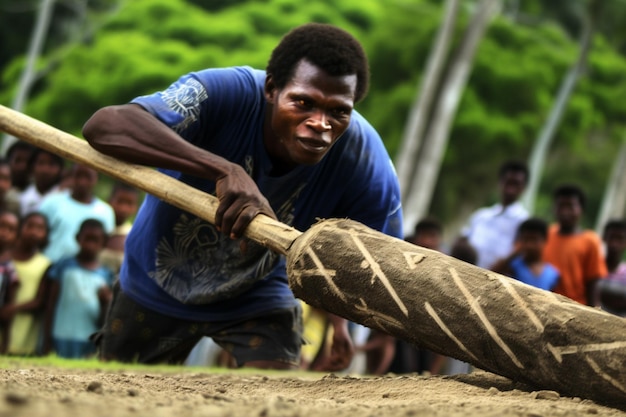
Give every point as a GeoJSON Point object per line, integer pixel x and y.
{"type": "Point", "coordinates": [124, 200]}
{"type": "Point", "coordinates": [66, 210]}
{"type": "Point", "coordinates": [576, 253]}
{"type": "Point", "coordinates": [526, 263]}
{"type": "Point", "coordinates": [9, 281]}
{"type": "Point", "coordinates": [31, 265]}
{"type": "Point", "coordinates": [80, 291]}
{"type": "Point", "coordinates": [491, 230]}
{"type": "Point", "coordinates": [47, 169]}
{"type": "Point", "coordinates": [6, 202]}
{"type": "Point", "coordinates": [612, 290]}
{"type": "Point", "coordinates": [19, 155]}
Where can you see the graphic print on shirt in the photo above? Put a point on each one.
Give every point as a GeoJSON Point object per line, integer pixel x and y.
{"type": "Point", "coordinates": [198, 265]}
{"type": "Point", "coordinates": [185, 100]}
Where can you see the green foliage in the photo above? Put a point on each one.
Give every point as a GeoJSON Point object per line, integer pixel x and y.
{"type": "Point", "coordinates": [148, 44]}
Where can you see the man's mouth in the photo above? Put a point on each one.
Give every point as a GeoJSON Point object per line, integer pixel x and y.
{"type": "Point", "coordinates": [313, 145]}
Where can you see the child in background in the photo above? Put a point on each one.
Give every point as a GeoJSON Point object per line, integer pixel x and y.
{"type": "Point", "coordinates": [124, 199]}
{"type": "Point", "coordinates": [9, 282]}
{"type": "Point", "coordinates": [18, 155]}
{"type": "Point", "coordinates": [47, 170]}
{"type": "Point", "coordinates": [5, 185]}
{"type": "Point", "coordinates": [612, 290]}
{"type": "Point", "coordinates": [66, 210]}
{"type": "Point", "coordinates": [80, 291]}
{"type": "Point", "coordinates": [526, 264]}
{"type": "Point", "coordinates": [31, 266]}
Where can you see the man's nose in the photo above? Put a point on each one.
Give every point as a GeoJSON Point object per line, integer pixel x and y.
{"type": "Point", "coordinates": [319, 122]}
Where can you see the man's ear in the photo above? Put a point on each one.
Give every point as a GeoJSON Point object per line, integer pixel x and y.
{"type": "Point", "coordinates": [270, 89]}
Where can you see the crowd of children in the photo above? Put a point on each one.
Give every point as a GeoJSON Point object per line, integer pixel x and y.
{"type": "Point", "coordinates": [61, 247]}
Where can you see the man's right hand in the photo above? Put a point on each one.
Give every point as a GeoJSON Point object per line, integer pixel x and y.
{"type": "Point", "coordinates": [239, 202]}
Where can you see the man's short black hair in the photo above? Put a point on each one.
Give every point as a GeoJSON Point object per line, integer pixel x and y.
{"type": "Point", "coordinates": [332, 49]}
{"type": "Point", "coordinates": [428, 224]}
{"type": "Point", "coordinates": [514, 166]}
{"type": "Point", "coordinates": [570, 190]}
{"type": "Point", "coordinates": [534, 224]}
{"type": "Point", "coordinates": [615, 224]}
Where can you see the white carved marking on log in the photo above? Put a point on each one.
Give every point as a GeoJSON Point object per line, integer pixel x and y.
{"type": "Point", "coordinates": [328, 274]}
{"type": "Point", "coordinates": [594, 365]}
{"type": "Point", "coordinates": [377, 272]}
{"type": "Point", "coordinates": [412, 259]}
{"type": "Point", "coordinates": [559, 351]}
{"type": "Point", "coordinates": [523, 305]}
{"type": "Point", "coordinates": [431, 311]}
{"type": "Point", "coordinates": [377, 317]}
{"type": "Point", "coordinates": [475, 306]}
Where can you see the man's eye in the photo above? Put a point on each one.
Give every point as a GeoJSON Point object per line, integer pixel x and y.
{"type": "Point", "coordinates": [341, 112]}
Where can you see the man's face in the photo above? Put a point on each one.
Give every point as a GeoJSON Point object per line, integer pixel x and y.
{"type": "Point", "coordinates": [512, 184]}
{"type": "Point", "coordinates": [8, 228]}
{"type": "Point", "coordinates": [531, 244]}
{"type": "Point", "coordinates": [19, 165]}
{"type": "Point", "coordinates": [430, 239]}
{"type": "Point", "coordinates": [124, 204]}
{"type": "Point", "coordinates": [91, 241]}
{"type": "Point", "coordinates": [308, 114]}
{"type": "Point", "coordinates": [568, 211]}
{"type": "Point", "coordinates": [5, 179]}
{"type": "Point", "coordinates": [84, 180]}
{"type": "Point", "coordinates": [46, 170]}
{"type": "Point", "coordinates": [615, 239]}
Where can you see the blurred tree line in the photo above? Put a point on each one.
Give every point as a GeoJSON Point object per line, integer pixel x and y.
{"type": "Point", "coordinates": [101, 52]}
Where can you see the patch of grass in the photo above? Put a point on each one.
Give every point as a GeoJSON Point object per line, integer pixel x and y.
{"type": "Point", "coordinates": [53, 361]}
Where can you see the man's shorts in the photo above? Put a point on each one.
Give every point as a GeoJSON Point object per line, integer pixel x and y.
{"type": "Point", "coordinates": [133, 333]}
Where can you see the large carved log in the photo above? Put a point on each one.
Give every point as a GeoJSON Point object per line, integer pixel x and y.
{"type": "Point", "coordinates": [460, 310]}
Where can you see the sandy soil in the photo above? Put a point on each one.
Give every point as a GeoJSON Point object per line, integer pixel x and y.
{"type": "Point", "coordinates": [47, 391]}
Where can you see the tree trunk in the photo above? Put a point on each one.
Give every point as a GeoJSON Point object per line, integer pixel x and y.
{"type": "Point", "coordinates": [27, 78]}
{"type": "Point", "coordinates": [431, 154]}
{"type": "Point", "coordinates": [614, 200]}
{"type": "Point", "coordinates": [414, 128]}
{"type": "Point", "coordinates": [543, 141]}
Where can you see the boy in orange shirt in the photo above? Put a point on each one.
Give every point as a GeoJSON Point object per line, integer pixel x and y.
{"type": "Point", "coordinates": [575, 252]}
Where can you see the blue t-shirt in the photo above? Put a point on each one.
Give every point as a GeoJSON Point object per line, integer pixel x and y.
{"type": "Point", "coordinates": [65, 216]}
{"type": "Point", "coordinates": [547, 280]}
{"type": "Point", "coordinates": [180, 265]}
{"type": "Point", "coordinates": [78, 306]}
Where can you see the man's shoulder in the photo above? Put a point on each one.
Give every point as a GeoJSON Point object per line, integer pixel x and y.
{"type": "Point", "coordinates": [590, 236]}
{"type": "Point", "coordinates": [486, 211]}
{"type": "Point", "coordinates": [51, 199]}
{"type": "Point", "coordinates": [242, 71]}
{"type": "Point", "coordinates": [362, 143]}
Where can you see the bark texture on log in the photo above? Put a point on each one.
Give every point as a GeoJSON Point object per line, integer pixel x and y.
{"type": "Point", "coordinates": [457, 309]}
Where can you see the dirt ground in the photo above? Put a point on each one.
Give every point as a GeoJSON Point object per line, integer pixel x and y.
{"type": "Point", "coordinates": [49, 391]}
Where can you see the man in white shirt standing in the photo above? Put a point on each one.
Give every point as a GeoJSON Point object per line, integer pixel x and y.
{"type": "Point", "coordinates": [491, 230]}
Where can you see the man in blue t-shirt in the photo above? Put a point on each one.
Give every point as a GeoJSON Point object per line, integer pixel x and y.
{"type": "Point", "coordinates": [285, 142]}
